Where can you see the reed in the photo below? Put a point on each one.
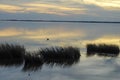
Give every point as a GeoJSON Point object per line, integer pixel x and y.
{"type": "Point", "coordinates": [102, 50]}
{"type": "Point", "coordinates": [60, 53]}
{"type": "Point", "coordinates": [11, 51]}
{"type": "Point", "coordinates": [13, 54]}
{"type": "Point", "coordinates": [32, 62]}
{"type": "Point", "coordinates": [61, 63]}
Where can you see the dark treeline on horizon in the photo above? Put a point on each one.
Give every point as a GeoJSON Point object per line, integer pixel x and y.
{"type": "Point", "coordinates": [71, 21]}
{"type": "Point", "coordinates": [16, 55]}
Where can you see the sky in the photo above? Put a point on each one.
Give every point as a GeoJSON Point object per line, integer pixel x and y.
{"type": "Point", "coordinates": [103, 10]}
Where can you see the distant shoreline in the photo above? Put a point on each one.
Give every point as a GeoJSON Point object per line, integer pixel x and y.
{"type": "Point", "coordinates": [62, 21]}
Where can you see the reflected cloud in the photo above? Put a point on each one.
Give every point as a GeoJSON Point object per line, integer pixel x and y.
{"type": "Point", "coordinates": [52, 33]}
{"type": "Point", "coordinates": [108, 39]}
{"type": "Point", "coordinates": [10, 32]}
{"type": "Point", "coordinates": [41, 33]}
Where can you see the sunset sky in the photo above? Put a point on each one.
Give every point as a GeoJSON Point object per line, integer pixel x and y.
{"type": "Point", "coordinates": [108, 10]}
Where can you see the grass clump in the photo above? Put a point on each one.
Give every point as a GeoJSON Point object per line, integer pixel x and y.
{"type": "Point", "coordinates": [11, 51]}
{"type": "Point", "coordinates": [102, 50]}
{"type": "Point", "coordinates": [11, 54]}
{"type": "Point", "coordinates": [60, 53]}
{"type": "Point", "coordinates": [62, 56]}
{"type": "Point", "coordinates": [32, 62]}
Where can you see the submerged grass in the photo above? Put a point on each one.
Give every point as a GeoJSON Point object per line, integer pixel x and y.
{"type": "Point", "coordinates": [103, 50]}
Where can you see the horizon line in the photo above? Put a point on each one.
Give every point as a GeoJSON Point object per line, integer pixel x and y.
{"type": "Point", "coordinates": [71, 21]}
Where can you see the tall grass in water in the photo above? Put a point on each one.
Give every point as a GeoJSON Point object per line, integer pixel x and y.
{"type": "Point", "coordinates": [60, 56]}
{"type": "Point", "coordinates": [11, 54]}
{"type": "Point", "coordinates": [103, 50]}
{"type": "Point", "coordinates": [32, 62]}
{"type": "Point", "coordinates": [54, 56]}
{"type": "Point", "coordinates": [16, 55]}
{"type": "Point", "coordinates": [60, 53]}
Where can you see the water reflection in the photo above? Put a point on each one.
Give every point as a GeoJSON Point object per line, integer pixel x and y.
{"type": "Point", "coordinates": [12, 62]}
{"type": "Point", "coordinates": [61, 63]}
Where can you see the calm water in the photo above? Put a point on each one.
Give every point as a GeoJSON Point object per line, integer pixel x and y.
{"type": "Point", "coordinates": [34, 36]}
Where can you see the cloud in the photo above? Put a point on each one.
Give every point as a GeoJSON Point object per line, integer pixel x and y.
{"type": "Point", "coordinates": [52, 9]}
{"type": "Point", "coordinates": [106, 4]}
{"type": "Point", "coordinates": [63, 8]}
{"type": "Point", "coordinates": [46, 8]}
{"type": "Point", "coordinates": [10, 8]}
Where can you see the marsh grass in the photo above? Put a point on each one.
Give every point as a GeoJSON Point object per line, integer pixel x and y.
{"type": "Point", "coordinates": [60, 53]}
{"type": "Point", "coordinates": [103, 50]}
{"type": "Point", "coordinates": [60, 56]}
{"type": "Point", "coordinates": [11, 54]}
{"type": "Point", "coordinates": [14, 55]}
{"type": "Point", "coordinates": [11, 51]}
{"type": "Point", "coordinates": [32, 62]}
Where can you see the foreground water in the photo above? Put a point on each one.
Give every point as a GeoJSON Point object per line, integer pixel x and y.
{"type": "Point", "coordinates": [41, 35]}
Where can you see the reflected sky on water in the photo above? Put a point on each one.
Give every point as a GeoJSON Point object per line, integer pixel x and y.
{"type": "Point", "coordinates": [59, 34]}
{"type": "Point", "coordinates": [34, 36]}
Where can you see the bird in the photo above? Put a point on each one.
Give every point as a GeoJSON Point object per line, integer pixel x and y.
{"type": "Point", "coordinates": [47, 39]}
